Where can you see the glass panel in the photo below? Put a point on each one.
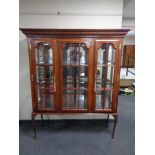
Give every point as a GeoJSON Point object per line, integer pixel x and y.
{"type": "Point", "coordinates": [75, 76]}
{"type": "Point", "coordinates": [46, 86]}
{"type": "Point", "coordinates": [71, 51]}
{"type": "Point", "coordinates": [84, 76]}
{"type": "Point", "coordinates": [66, 77]}
{"type": "Point", "coordinates": [83, 54]}
{"type": "Point", "coordinates": [45, 98]}
{"type": "Point", "coordinates": [74, 54]}
{"type": "Point", "coordinates": [66, 101]}
{"type": "Point", "coordinates": [75, 72]}
{"type": "Point", "coordinates": [66, 54]}
{"type": "Point", "coordinates": [44, 74]}
{"type": "Point", "coordinates": [106, 54]}
{"type": "Point", "coordinates": [83, 99]}
{"type": "Point", "coordinates": [70, 76]}
{"type": "Point", "coordinates": [44, 54]}
{"type": "Point", "coordinates": [74, 99]}
{"type": "Point", "coordinates": [103, 99]}
{"type": "Point", "coordinates": [70, 99]}
{"type": "Point", "coordinates": [83, 71]}
{"type": "Point", "coordinates": [104, 77]}
{"type": "Point", "coordinates": [84, 83]}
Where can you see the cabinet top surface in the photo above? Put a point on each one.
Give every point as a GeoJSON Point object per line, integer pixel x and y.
{"type": "Point", "coordinates": [75, 32]}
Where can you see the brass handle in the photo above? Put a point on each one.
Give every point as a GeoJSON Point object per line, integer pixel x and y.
{"type": "Point", "coordinates": [54, 84]}
{"type": "Point", "coordinates": [95, 87]}
{"type": "Point", "coordinates": [32, 77]}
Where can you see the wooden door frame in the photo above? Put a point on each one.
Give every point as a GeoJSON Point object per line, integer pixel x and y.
{"type": "Point", "coordinates": [89, 44]}
{"type": "Point", "coordinates": [116, 43]}
{"type": "Point", "coordinates": [33, 44]}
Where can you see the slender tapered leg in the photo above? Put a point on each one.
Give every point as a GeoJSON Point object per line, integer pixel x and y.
{"type": "Point", "coordinates": [107, 121]}
{"type": "Point", "coordinates": [34, 126]}
{"type": "Point", "coordinates": [115, 123]}
{"type": "Point", "coordinates": [48, 121]}
{"type": "Point", "coordinates": [42, 123]}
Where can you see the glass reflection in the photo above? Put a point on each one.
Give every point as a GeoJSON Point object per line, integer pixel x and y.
{"type": "Point", "coordinates": [45, 98]}
{"type": "Point", "coordinates": [44, 53]}
{"type": "Point", "coordinates": [106, 54]}
{"type": "Point", "coordinates": [74, 99]}
{"type": "Point", "coordinates": [83, 99]}
{"type": "Point", "coordinates": [66, 54]}
{"type": "Point", "coordinates": [66, 77]}
{"type": "Point", "coordinates": [75, 76]}
{"type": "Point", "coordinates": [84, 76]}
{"type": "Point", "coordinates": [44, 74]}
{"type": "Point", "coordinates": [83, 54]}
{"type": "Point", "coordinates": [70, 76]}
{"type": "Point", "coordinates": [75, 54]}
{"type": "Point", "coordinates": [75, 73]}
{"type": "Point", "coordinates": [103, 99]}
{"type": "Point", "coordinates": [104, 76]}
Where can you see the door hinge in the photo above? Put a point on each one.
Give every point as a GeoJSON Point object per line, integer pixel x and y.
{"type": "Point", "coordinates": [120, 45]}
{"type": "Point", "coordinates": [118, 77]}
{"type": "Point", "coordinates": [95, 87]}
{"type": "Point", "coordinates": [32, 77]}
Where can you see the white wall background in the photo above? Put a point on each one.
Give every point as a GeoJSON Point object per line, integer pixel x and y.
{"type": "Point", "coordinates": [73, 14]}
{"type": "Point", "coordinates": [128, 21]}
{"type": "Point", "coordinates": [130, 24]}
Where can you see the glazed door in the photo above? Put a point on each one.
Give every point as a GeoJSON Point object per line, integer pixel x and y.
{"type": "Point", "coordinates": [44, 71]}
{"type": "Point", "coordinates": [106, 75]}
{"type": "Point", "coordinates": [76, 84]}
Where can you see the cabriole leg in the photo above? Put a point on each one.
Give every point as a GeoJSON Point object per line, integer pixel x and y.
{"type": "Point", "coordinates": [34, 126]}
{"type": "Point", "coordinates": [115, 123]}
{"type": "Point", "coordinates": [42, 120]}
{"type": "Point", "coordinates": [107, 121]}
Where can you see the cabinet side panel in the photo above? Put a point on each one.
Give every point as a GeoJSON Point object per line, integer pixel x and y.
{"type": "Point", "coordinates": [119, 57]}
{"type": "Point", "coordinates": [31, 73]}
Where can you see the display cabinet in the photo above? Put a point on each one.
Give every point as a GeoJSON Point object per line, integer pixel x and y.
{"type": "Point", "coordinates": [74, 71]}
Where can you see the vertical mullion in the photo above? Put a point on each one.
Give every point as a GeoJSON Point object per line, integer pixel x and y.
{"type": "Point", "coordinates": [105, 74]}
{"type": "Point", "coordinates": [46, 81]}
{"type": "Point", "coordinates": [109, 98]}
{"type": "Point", "coordinates": [39, 72]}
{"type": "Point", "coordinates": [34, 72]}
{"type": "Point", "coordinates": [78, 73]}
{"type": "Point", "coordinates": [38, 59]}
{"type": "Point", "coordinates": [45, 91]}
{"type": "Point", "coordinates": [70, 72]}
{"type": "Point", "coordinates": [53, 68]}
{"type": "Point", "coordinates": [95, 76]}
{"type": "Point", "coordinates": [111, 72]}
{"type": "Point", "coordinates": [102, 99]}
{"type": "Point", "coordinates": [62, 82]}
{"type": "Point", "coordinates": [106, 66]}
